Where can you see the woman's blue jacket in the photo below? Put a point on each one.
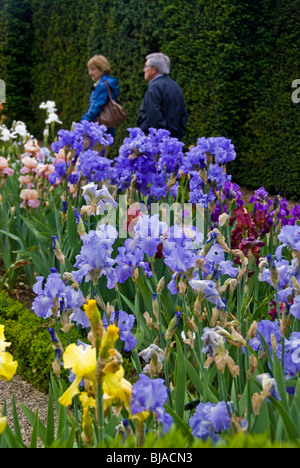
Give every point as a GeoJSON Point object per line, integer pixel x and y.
{"type": "Point", "coordinates": [99, 96]}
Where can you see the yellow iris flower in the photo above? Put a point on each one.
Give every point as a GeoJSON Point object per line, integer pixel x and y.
{"type": "Point", "coordinates": [83, 364]}
{"type": "Point", "coordinates": [116, 388]}
{"type": "Point", "coordinates": [8, 366]}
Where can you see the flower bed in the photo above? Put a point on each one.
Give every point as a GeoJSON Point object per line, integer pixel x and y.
{"type": "Point", "coordinates": [154, 256]}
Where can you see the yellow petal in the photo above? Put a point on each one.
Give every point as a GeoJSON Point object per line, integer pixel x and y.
{"type": "Point", "coordinates": [3, 344]}
{"type": "Point", "coordinates": [3, 421]}
{"type": "Point", "coordinates": [115, 388]}
{"type": "Point", "coordinates": [108, 342]}
{"type": "Point", "coordinates": [87, 401]}
{"type": "Point", "coordinates": [8, 366]}
{"type": "Point", "coordinates": [142, 416]}
{"type": "Point", "coordinates": [92, 311]}
{"type": "Point", "coordinates": [67, 397]}
{"type": "Point", "coordinates": [81, 361]}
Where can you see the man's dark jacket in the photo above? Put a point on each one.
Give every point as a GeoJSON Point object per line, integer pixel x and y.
{"type": "Point", "coordinates": [163, 106]}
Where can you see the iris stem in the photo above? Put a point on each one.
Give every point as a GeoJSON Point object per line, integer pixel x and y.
{"type": "Point", "coordinates": [100, 412]}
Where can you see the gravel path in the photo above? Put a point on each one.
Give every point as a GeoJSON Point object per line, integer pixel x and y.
{"type": "Point", "coordinates": [27, 395]}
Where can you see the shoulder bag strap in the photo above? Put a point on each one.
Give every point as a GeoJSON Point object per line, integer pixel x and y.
{"type": "Point", "coordinates": [108, 89]}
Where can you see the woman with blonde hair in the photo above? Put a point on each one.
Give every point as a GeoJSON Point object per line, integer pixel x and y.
{"type": "Point", "coordinates": [99, 71]}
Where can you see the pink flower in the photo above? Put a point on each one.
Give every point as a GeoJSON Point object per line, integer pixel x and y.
{"type": "Point", "coordinates": [26, 180]}
{"type": "Point", "coordinates": [33, 203]}
{"type": "Point", "coordinates": [30, 198]}
{"type": "Point", "coordinates": [62, 156]}
{"type": "Point", "coordinates": [4, 167]}
{"type": "Point", "coordinates": [31, 147]}
{"type": "Point", "coordinates": [29, 162]}
{"type": "Point", "coordinates": [44, 170]}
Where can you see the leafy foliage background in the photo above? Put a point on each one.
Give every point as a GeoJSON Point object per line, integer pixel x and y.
{"type": "Point", "coordinates": [235, 60]}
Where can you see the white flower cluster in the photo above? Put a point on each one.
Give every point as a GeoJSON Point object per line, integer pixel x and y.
{"type": "Point", "coordinates": [17, 133]}
{"type": "Point", "coordinates": [50, 109]}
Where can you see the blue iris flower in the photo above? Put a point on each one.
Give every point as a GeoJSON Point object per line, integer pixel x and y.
{"type": "Point", "coordinates": [209, 419]}
{"type": "Point", "coordinates": [55, 290]}
{"type": "Point", "coordinates": [151, 395]}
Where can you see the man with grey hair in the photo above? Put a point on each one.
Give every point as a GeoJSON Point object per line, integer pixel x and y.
{"type": "Point", "coordinates": [163, 105]}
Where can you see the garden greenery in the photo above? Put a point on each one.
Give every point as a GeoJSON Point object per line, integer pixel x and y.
{"type": "Point", "coordinates": [235, 61]}
{"type": "Point", "coordinates": [152, 257]}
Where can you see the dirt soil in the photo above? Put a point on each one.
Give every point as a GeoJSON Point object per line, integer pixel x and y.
{"type": "Point", "coordinates": [27, 395]}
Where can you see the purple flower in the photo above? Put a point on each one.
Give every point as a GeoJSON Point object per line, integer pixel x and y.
{"type": "Point", "coordinates": [265, 328]}
{"type": "Point", "coordinates": [100, 197]}
{"type": "Point", "coordinates": [84, 133]}
{"type": "Point", "coordinates": [295, 212]}
{"type": "Point", "coordinates": [208, 291]}
{"type": "Point", "coordinates": [82, 139]}
{"type": "Point", "coordinates": [197, 197]}
{"type": "Point", "coordinates": [209, 419]}
{"type": "Point", "coordinates": [211, 340]}
{"type": "Point", "coordinates": [58, 173]}
{"type": "Point", "coordinates": [74, 177]}
{"type": "Point", "coordinates": [283, 212]}
{"type": "Point", "coordinates": [126, 261]}
{"type": "Point", "coordinates": [295, 308]}
{"type": "Point", "coordinates": [95, 258]}
{"type": "Point", "coordinates": [259, 195]}
{"type": "Point", "coordinates": [148, 161]}
{"type": "Point", "coordinates": [179, 247]}
{"type": "Point", "coordinates": [194, 160]}
{"type": "Point", "coordinates": [216, 264]}
{"type": "Point", "coordinates": [220, 148]}
{"type": "Point", "coordinates": [53, 288]}
{"type": "Point", "coordinates": [149, 232]}
{"type": "Point", "coordinates": [179, 259]}
{"type": "Point", "coordinates": [67, 138]}
{"type": "Point", "coordinates": [94, 167]}
{"type": "Point", "coordinates": [284, 295]}
{"type": "Point", "coordinates": [232, 191]}
{"type": "Point", "coordinates": [284, 273]}
{"type": "Point", "coordinates": [55, 293]}
{"type": "Point", "coordinates": [124, 322]}
{"type": "Point", "coordinates": [73, 301]}
{"type": "Point", "coordinates": [216, 176]}
{"type": "Point", "coordinates": [292, 355]}
{"type": "Point", "coordinates": [151, 395]}
{"type": "Point", "coordinates": [92, 133]}
{"type": "Point", "coordinates": [42, 306]}
{"type": "Point", "coordinates": [290, 236]}
{"type": "Point", "coordinates": [171, 155]}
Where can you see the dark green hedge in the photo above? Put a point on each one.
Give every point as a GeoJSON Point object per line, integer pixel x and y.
{"type": "Point", "coordinates": [235, 60]}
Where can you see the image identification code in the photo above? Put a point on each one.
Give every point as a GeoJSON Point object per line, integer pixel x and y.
{"type": "Point", "coordinates": [153, 457]}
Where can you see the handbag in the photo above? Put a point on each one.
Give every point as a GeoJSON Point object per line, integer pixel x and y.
{"type": "Point", "coordinates": [112, 113]}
